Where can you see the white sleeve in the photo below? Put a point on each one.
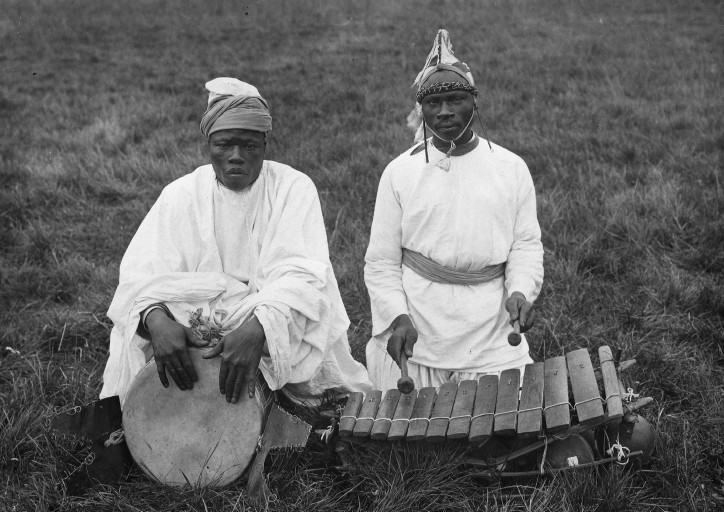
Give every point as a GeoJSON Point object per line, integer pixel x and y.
{"type": "Point", "coordinates": [524, 267]}
{"type": "Point", "coordinates": [383, 260]}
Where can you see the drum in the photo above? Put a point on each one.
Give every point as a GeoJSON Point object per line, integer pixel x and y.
{"type": "Point", "coordinates": [191, 437]}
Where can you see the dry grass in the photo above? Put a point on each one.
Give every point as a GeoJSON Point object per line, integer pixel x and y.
{"type": "Point", "coordinates": [616, 107]}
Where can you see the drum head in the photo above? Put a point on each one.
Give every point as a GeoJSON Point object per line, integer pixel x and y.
{"type": "Point", "coordinates": [190, 437]}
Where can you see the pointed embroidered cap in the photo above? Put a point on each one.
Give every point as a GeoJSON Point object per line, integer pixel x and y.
{"type": "Point", "coordinates": [443, 71]}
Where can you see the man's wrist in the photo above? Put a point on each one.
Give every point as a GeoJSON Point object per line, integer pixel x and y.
{"type": "Point", "coordinates": [517, 294]}
{"type": "Point", "coordinates": [401, 320]}
{"type": "Point", "coordinates": [156, 318]}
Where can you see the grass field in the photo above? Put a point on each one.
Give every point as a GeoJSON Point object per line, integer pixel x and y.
{"type": "Point", "coordinates": [616, 106]}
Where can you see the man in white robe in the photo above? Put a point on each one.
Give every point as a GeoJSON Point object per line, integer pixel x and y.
{"type": "Point", "coordinates": [455, 256]}
{"type": "Point", "coordinates": [236, 252]}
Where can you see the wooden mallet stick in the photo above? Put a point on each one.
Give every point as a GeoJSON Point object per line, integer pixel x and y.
{"type": "Point", "coordinates": [405, 384]}
{"type": "Point", "coordinates": [514, 337]}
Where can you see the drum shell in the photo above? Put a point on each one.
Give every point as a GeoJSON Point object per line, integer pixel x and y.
{"type": "Point", "coordinates": [571, 451]}
{"type": "Point", "coordinates": [192, 437]}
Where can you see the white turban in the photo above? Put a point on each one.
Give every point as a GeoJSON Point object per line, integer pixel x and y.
{"type": "Point", "coordinates": [234, 104]}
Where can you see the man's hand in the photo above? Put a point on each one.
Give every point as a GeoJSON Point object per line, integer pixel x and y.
{"type": "Point", "coordinates": [520, 309]}
{"type": "Point", "coordinates": [240, 352]}
{"type": "Point", "coordinates": [404, 337]}
{"type": "Point", "coordinates": [168, 340]}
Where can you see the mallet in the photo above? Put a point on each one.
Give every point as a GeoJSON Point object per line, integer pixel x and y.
{"type": "Point", "coordinates": [405, 384]}
{"type": "Point", "coordinates": [514, 337]}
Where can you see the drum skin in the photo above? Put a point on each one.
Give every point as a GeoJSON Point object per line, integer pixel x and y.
{"type": "Point", "coordinates": [190, 437]}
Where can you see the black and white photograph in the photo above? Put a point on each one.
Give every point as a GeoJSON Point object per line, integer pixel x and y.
{"type": "Point", "coordinates": [359, 255]}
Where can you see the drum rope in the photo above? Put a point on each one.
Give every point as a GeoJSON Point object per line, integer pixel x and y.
{"type": "Point", "coordinates": [622, 453]}
{"type": "Point", "coordinates": [482, 414]}
{"type": "Point", "coordinates": [461, 416]}
{"type": "Point", "coordinates": [327, 434]}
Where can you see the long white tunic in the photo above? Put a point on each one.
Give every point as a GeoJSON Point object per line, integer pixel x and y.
{"type": "Point", "coordinates": [262, 251]}
{"type": "Point", "coordinates": [480, 212]}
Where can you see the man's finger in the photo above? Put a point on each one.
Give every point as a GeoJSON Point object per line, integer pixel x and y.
{"type": "Point", "coordinates": [511, 306]}
{"type": "Point", "coordinates": [180, 371]}
{"type": "Point", "coordinates": [522, 316]}
{"type": "Point", "coordinates": [514, 314]}
{"type": "Point", "coordinates": [174, 375]}
{"type": "Point", "coordinates": [215, 351]}
{"type": "Point", "coordinates": [223, 374]}
{"type": "Point", "coordinates": [524, 312]}
{"type": "Point", "coordinates": [188, 365]}
{"type": "Point", "coordinates": [251, 383]}
{"type": "Point", "coordinates": [410, 340]}
{"type": "Point", "coordinates": [529, 318]}
{"type": "Point", "coordinates": [238, 384]}
{"type": "Point", "coordinates": [230, 383]}
{"type": "Point", "coordinates": [161, 373]}
{"type": "Point", "coordinates": [394, 347]}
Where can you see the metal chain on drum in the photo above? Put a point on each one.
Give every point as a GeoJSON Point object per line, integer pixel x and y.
{"type": "Point", "coordinates": [87, 461]}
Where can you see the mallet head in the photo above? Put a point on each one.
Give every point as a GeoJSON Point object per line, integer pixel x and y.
{"type": "Point", "coordinates": [405, 385]}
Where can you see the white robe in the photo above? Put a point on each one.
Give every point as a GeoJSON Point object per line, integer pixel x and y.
{"type": "Point", "coordinates": [480, 212]}
{"type": "Point", "coordinates": [262, 251]}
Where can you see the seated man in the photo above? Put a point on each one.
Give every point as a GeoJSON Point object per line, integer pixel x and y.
{"type": "Point", "coordinates": [455, 255]}
{"type": "Point", "coordinates": [235, 252]}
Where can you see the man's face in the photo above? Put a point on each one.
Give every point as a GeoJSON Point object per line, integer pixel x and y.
{"type": "Point", "coordinates": [237, 156]}
{"type": "Point", "coordinates": [448, 113]}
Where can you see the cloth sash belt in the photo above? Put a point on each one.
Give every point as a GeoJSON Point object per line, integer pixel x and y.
{"type": "Point", "coordinates": [435, 272]}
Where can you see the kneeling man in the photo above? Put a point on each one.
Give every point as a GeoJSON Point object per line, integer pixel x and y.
{"type": "Point", "coordinates": [455, 254]}
{"type": "Point", "coordinates": [236, 254]}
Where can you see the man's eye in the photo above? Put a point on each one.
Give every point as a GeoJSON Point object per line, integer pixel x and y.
{"type": "Point", "coordinates": [251, 147]}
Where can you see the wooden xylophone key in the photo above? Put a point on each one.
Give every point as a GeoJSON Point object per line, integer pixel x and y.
{"type": "Point", "coordinates": [481, 425]}
{"type": "Point", "coordinates": [383, 419]}
{"type": "Point", "coordinates": [555, 395]}
{"type": "Point", "coordinates": [462, 411]}
{"type": "Point", "coordinates": [440, 416]}
{"type": "Point", "coordinates": [401, 419]}
{"type": "Point", "coordinates": [349, 415]}
{"type": "Point", "coordinates": [614, 404]}
{"type": "Point", "coordinates": [421, 414]}
{"type": "Point", "coordinates": [367, 414]}
{"type": "Point", "coordinates": [531, 401]}
{"type": "Point", "coordinates": [506, 407]}
{"type": "Point", "coordinates": [585, 388]}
